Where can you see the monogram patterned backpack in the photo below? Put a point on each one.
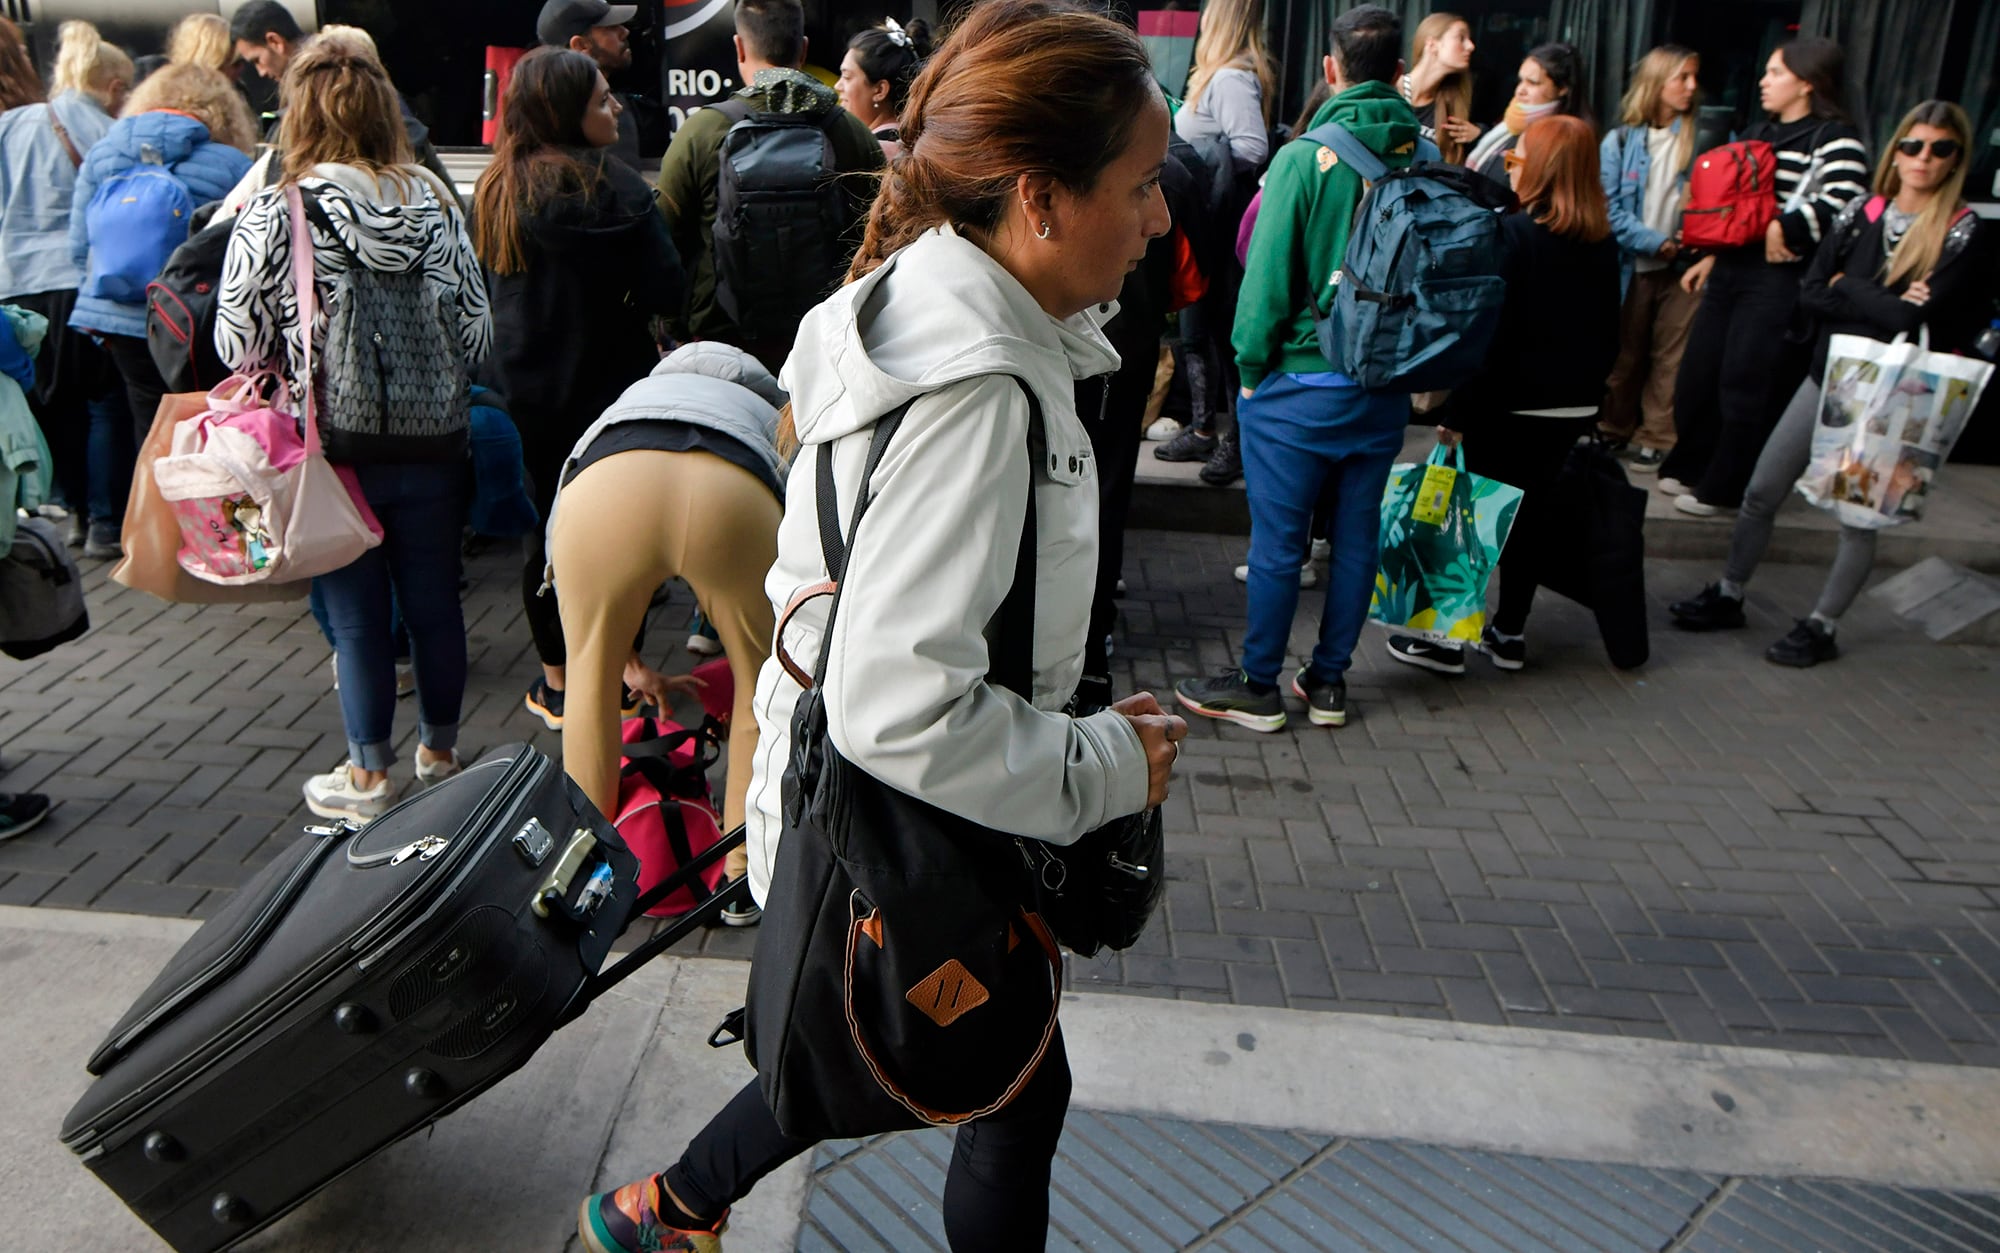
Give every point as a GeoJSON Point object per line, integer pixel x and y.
{"type": "Point", "coordinates": [393, 373]}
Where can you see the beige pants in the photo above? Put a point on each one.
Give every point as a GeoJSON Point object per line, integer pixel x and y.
{"type": "Point", "coordinates": [627, 524]}
{"type": "Point", "coordinates": [1653, 333]}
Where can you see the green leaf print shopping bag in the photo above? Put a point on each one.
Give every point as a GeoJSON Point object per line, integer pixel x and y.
{"type": "Point", "coordinates": [1442, 531]}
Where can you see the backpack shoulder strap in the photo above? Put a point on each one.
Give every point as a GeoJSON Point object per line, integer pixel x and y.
{"type": "Point", "coordinates": [1349, 149]}
{"type": "Point", "coordinates": [317, 215]}
{"type": "Point", "coordinates": [736, 109]}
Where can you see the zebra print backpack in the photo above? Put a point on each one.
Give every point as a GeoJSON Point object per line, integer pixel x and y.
{"type": "Point", "coordinates": [393, 372]}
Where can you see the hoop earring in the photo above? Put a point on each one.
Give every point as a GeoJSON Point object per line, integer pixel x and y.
{"type": "Point", "coordinates": [1044, 232]}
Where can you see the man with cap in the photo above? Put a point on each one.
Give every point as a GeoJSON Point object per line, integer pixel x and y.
{"type": "Point", "coordinates": [601, 32]}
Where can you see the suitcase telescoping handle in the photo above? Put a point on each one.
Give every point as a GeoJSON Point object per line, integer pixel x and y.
{"type": "Point", "coordinates": [680, 928]}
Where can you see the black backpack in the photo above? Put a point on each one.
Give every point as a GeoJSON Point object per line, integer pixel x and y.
{"type": "Point", "coordinates": [180, 303]}
{"type": "Point", "coordinates": [180, 307]}
{"type": "Point", "coordinates": [779, 219]}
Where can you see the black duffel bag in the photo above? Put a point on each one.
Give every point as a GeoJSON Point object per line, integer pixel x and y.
{"type": "Point", "coordinates": [904, 974]}
{"type": "Point", "coordinates": [1592, 537]}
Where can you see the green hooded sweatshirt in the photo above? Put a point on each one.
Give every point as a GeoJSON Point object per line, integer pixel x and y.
{"type": "Point", "coordinates": [688, 174]}
{"type": "Point", "coordinates": [1300, 239]}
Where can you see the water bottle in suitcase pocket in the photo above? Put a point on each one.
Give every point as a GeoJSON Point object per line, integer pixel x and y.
{"type": "Point", "coordinates": [363, 985]}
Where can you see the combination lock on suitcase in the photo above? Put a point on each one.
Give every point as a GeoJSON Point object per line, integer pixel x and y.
{"type": "Point", "coordinates": [366, 983]}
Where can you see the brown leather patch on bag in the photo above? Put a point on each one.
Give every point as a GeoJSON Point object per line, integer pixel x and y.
{"type": "Point", "coordinates": [871, 926]}
{"type": "Point", "coordinates": [948, 994]}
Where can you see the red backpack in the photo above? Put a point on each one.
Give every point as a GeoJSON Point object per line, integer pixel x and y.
{"type": "Point", "coordinates": [1732, 196]}
{"type": "Point", "coordinates": [666, 811]}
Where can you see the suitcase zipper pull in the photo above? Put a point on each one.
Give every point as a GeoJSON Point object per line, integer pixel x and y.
{"type": "Point", "coordinates": [425, 849]}
{"type": "Point", "coordinates": [1126, 867]}
{"type": "Point", "coordinates": [341, 826]}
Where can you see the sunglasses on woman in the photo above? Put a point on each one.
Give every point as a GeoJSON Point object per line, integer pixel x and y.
{"type": "Point", "coordinates": [1942, 149]}
{"type": "Point", "coordinates": [1514, 159]}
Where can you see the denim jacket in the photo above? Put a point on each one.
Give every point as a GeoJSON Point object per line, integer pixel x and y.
{"type": "Point", "coordinates": [208, 169]}
{"type": "Point", "coordinates": [1624, 163]}
{"type": "Point", "coordinates": [37, 181]}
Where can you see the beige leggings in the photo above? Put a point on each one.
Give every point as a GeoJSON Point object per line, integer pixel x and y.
{"type": "Point", "coordinates": [627, 524]}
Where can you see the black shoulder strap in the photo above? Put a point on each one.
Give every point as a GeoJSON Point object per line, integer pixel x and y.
{"type": "Point", "coordinates": [1013, 666]}
{"type": "Point", "coordinates": [736, 109]}
{"type": "Point", "coordinates": [317, 215]}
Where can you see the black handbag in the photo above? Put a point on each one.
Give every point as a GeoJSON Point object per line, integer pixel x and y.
{"type": "Point", "coordinates": [902, 976]}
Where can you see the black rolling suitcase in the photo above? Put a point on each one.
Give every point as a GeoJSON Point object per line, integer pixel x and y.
{"type": "Point", "coordinates": [361, 987]}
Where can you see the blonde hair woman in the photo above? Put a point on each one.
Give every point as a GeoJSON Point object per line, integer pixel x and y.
{"type": "Point", "coordinates": [201, 39]}
{"type": "Point", "coordinates": [41, 146]}
{"type": "Point", "coordinates": [1227, 118]}
{"type": "Point", "coordinates": [348, 156]}
{"type": "Point", "coordinates": [190, 121]}
{"type": "Point", "coordinates": [1903, 259]}
{"type": "Point", "coordinates": [1439, 83]}
{"type": "Point", "coordinates": [1644, 163]}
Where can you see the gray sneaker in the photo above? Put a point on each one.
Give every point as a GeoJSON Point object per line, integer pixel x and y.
{"type": "Point", "coordinates": [1230, 697]}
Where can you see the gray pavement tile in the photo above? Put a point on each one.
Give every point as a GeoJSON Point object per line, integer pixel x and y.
{"type": "Point", "coordinates": [1709, 848]}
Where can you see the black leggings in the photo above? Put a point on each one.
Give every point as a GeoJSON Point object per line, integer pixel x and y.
{"type": "Point", "coordinates": [996, 1194]}
{"type": "Point", "coordinates": [1527, 453]}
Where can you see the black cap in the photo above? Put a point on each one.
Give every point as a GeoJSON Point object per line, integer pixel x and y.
{"type": "Point", "coordinates": [563, 20]}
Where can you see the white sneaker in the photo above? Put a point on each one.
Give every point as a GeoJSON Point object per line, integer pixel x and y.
{"type": "Point", "coordinates": [335, 795]}
{"type": "Point", "coordinates": [704, 646]}
{"type": "Point", "coordinates": [1163, 429]}
{"type": "Point", "coordinates": [1689, 505]}
{"type": "Point", "coordinates": [1672, 486]}
{"type": "Point", "coordinates": [1308, 577]}
{"type": "Point", "coordinates": [440, 770]}
{"type": "Point", "coordinates": [1322, 549]}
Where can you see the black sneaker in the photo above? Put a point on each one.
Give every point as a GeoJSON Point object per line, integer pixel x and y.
{"type": "Point", "coordinates": [1810, 643]}
{"type": "Point", "coordinates": [1189, 445]}
{"type": "Point", "coordinates": [1443, 658]}
{"type": "Point", "coordinates": [1326, 699]}
{"type": "Point", "coordinates": [1708, 610]}
{"type": "Point", "coordinates": [546, 703]}
{"type": "Point", "coordinates": [1225, 465]}
{"type": "Point", "coordinates": [1230, 697]}
{"type": "Point", "coordinates": [1506, 654]}
{"type": "Point", "coordinates": [21, 811]}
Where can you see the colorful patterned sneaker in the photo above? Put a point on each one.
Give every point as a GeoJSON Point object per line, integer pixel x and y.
{"type": "Point", "coordinates": [1326, 701]}
{"type": "Point", "coordinates": [546, 703]}
{"type": "Point", "coordinates": [1230, 697]}
{"type": "Point", "coordinates": [628, 1221]}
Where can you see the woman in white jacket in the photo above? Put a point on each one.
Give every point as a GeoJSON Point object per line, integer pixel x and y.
{"type": "Point", "coordinates": [1029, 190]}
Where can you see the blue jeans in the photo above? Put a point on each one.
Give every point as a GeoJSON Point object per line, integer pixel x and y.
{"type": "Point", "coordinates": [316, 601]}
{"type": "Point", "coordinates": [111, 456]}
{"type": "Point", "coordinates": [416, 566]}
{"type": "Point", "coordinates": [1297, 437]}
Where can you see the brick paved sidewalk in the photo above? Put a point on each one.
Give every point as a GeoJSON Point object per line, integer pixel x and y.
{"type": "Point", "coordinates": [1709, 849]}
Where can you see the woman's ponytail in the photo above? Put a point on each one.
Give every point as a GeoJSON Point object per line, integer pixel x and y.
{"type": "Point", "coordinates": [85, 63]}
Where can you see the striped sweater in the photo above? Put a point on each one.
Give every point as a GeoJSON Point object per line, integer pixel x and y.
{"type": "Point", "coordinates": [1829, 159]}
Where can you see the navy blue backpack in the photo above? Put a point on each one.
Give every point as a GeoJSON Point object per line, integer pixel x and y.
{"type": "Point", "coordinates": [1418, 298]}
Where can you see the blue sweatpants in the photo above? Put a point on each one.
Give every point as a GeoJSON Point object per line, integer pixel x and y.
{"type": "Point", "coordinates": [1300, 434]}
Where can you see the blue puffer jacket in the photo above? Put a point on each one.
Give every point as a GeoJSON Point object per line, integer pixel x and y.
{"type": "Point", "coordinates": [209, 170]}
{"type": "Point", "coordinates": [37, 179]}
{"type": "Point", "coordinates": [1624, 165]}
